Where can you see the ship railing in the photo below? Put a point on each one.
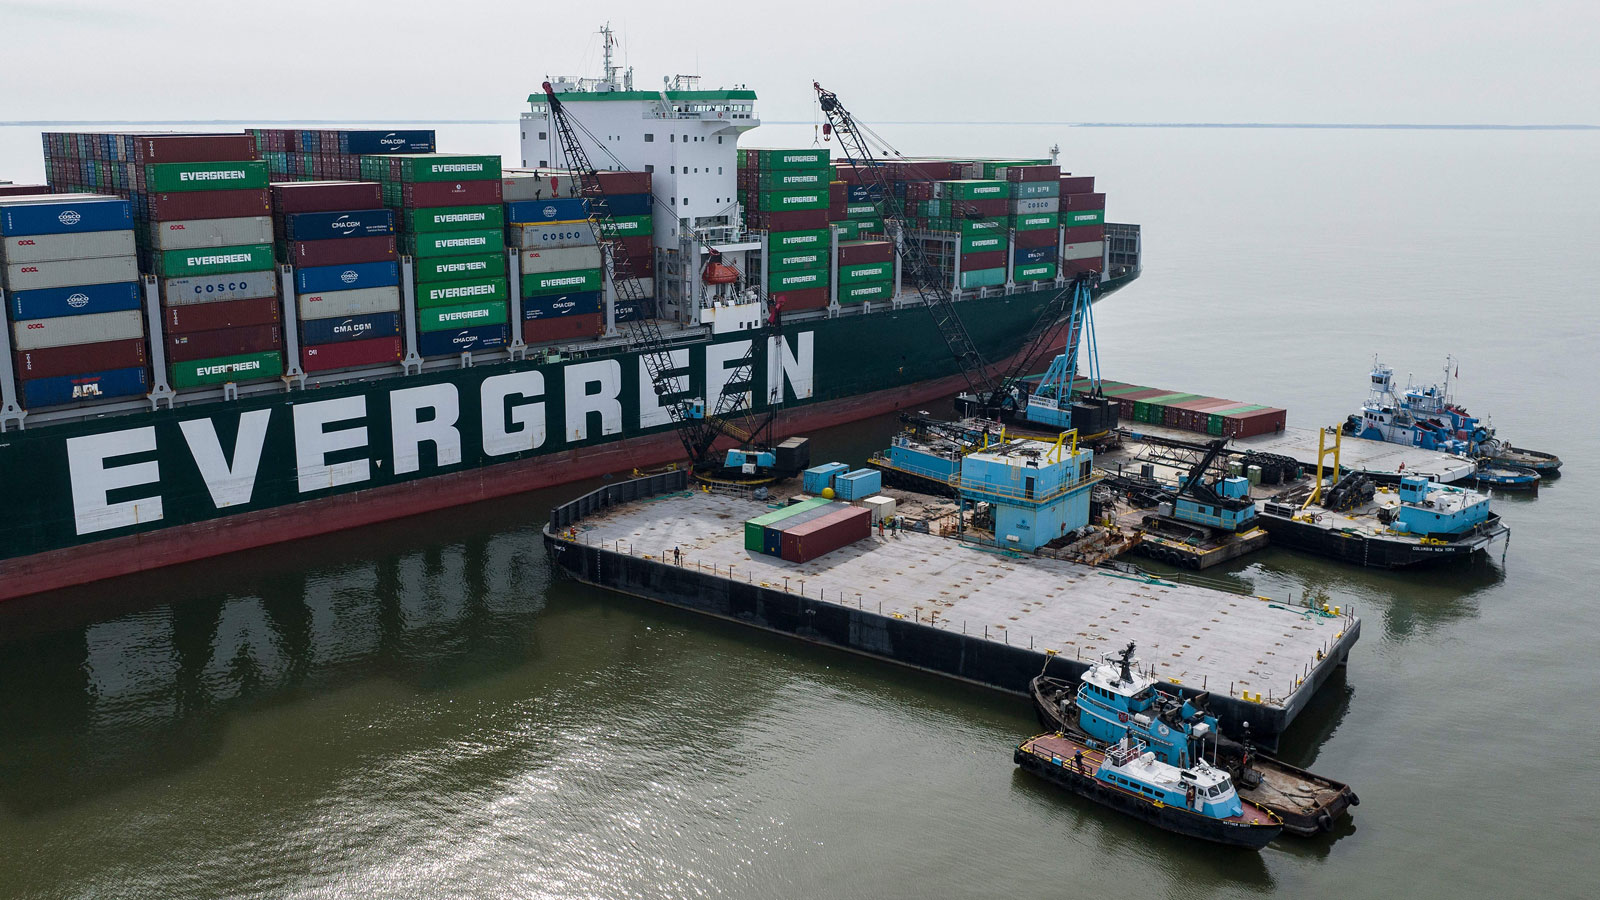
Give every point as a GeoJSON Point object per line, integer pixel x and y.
{"type": "Point", "coordinates": [574, 511]}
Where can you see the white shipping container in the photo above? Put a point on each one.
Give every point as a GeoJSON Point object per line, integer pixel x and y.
{"type": "Point", "coordinates": [195, 234]}
{"type": "Point", "coordinates": [357, 302]}
{"type": "Point", "coordinates": [213, 288]}
{"type": "Point", "coordinates": [555, 237]}
{"type": "Point", "coordinates": [67, 331]}
{"type": "Point", "coordinates": [1091, 250]}
{"type": "Point", "coordinates": [882, 507]}
{"type": "Point", "coordinates": [549, 259]}
{"type": "Point", "coordinates": [518, 184]}
{"type": "Point", "coordinates": [1035, 205]}
{"type": "Point", "coordinates": [70, 272]}
{"type": "Point", "coordinates": [83, 245]}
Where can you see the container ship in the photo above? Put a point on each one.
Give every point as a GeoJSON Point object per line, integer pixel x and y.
{"type": "Point", "coordinates": [220, 341]}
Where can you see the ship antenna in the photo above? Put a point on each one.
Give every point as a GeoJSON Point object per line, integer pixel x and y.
{"type": "Point", "coordinates": [1127, 660]}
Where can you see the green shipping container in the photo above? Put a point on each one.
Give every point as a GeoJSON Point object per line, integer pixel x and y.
{"type": "Point", "coordinates": [869, 226]}
{"type": "Point", "coordinates": [469, 315]}
{"type": "Point", "coordinates": [1076, 217]}
{"type": "Point", "coordinates": [627, 226]}
{"type": "Point", "coordinates": [848, 230]}
{"type": "Point", "coordinates": [982, 243]}
{"type": "Point", "coordinates": [1152, 410]}
{"type": "Point", "coordinates": [865, 272]}
{"type": "Point", "coordinates": [867, 290]}
{"type": "Point", "coordinates": [797, 279]}
{"type": "Point", "coordinates": [991, 168]}
{"type": "Point", "coordinates": [573, 281]}
{"type": "Point", "coordinates": [1216, 418]}
{"type": "Point", "coordinates": [455, 218]}
{"type": "Point", "coordinates": [163, 178]}
{"type": "Point", "coordinates": [970, 226]}
{"type": "Point", "coordinates": [431, 167]}
{"type": "Point", "coordinates": [1034, 272]}
{"type": "Point", "coordinates": [1037, 221]}
{"type": "Point", "coordinates": [983, 278]}
{"type": "Point", "coordinates": [455, 293]}
{"type": "Point", "coordinates": [798, 240]}
{"type": "Point", "coordinates": [864, 210]}
{"type": "Point", "coordinates": [222, 369]}
{"type": "Point", "coordinates": [783, 261]}
{"type": "Point", "coordinates": [971, 190]}
{"type": "Point", "coordinates": [1029, 190]}
{"type": "Point", "coordinates": [455, 243]}
{"type": "Point", "coordinates": [785, 201]}
{"type": "Point", "coordinates": [783, 159]}
{"type": "Point", "coordinates": [216, 260]}
{"type": "Point", "coordinates": [455, 268]}
{"type": "Point", "coordinates": [794, 179]}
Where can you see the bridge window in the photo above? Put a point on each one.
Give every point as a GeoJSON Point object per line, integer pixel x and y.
{"type": "Point", "coordinates": [649, 138]}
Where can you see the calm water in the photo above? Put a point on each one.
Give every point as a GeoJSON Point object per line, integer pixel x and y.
{"type": "Point", "coordinates": [416, 710]}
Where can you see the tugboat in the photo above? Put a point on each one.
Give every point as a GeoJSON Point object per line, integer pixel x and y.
{"type": "Point", "coordinates": [1507, 478]}
{"type": "Point", "coordinates": [1427, 416]}
{"type": "Point", "coordinates": [1112, 701]}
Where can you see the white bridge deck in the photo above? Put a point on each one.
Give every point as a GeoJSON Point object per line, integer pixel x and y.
{"type": "Point", "coordinates": [1379, 458]}
{"type": "Point", "coordinates": [1202, 638]}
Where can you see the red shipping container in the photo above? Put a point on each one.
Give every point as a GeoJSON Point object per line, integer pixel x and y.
{"type": "Point", "coordinates": [993, 259]}
{"type": "Point", "coordinates": [1080, 234]}
{"type": "Point", "coordinates": [795, 301]}
{"type": "Point", "coordinates": [1033, 173]}
{"type": "Point", "coordinates": [854, 175]}
{"type": "Point", "coordinates": [1125, 401]}
{"type": "Point", "coordinates": [171, 148]}
{"type": "Point", "coordinates": [22, 190]}
{"type": "Point", "coordinates": [427, 194]}
{"type": "Point", "coordinates": [341, 251]}
{"type": "Point", "coordinates": [223, 342]}
{"type": "Point", "coordinates": [223, 314]}
{"type": "Point", "coordinates": [563, 328]}
{"type": "Point", "coordinates": [1250, 424]}
{"type": "Point", "coordinates": [853, 253]}
{"type": "Point", "coordinates": [797, 220]}
{"type": "Point", "coordinates": [809, 540]}
{"type": "Point", "coordinates": [838, 192]}
{"type": "Point", "coordinates": [326, 196]}
{"type": "Point", "coordinates": [619, 183]}
{"type": "Point", "coordinates": [349, 354]}
{"type": "Point", "coordinates": [183, 205]}
{"type": "Point", "coordinates": [1077, 184]}
{"type": "Point", "coordinates": [1074, 266]}
{"type": "Point", "coordinates": [1042, 237]}
{"type": "Point", "coordinates": [838, 210]}
{"type": "Point", "coordinates": [981, 208]}
{"type": "Point", "coordinates": [1083, 201]}
{"type": "Point", "coordinates": [919, 190]}
{"type": "Point", "coordinates": [79, 358]}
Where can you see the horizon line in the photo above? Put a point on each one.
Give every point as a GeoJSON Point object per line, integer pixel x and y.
{"type": "Point", "coordinates": [1355, 126]}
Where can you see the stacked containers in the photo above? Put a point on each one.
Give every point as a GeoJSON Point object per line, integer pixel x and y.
{"type": "Point", "coordinates": [755, 529]}
{"type": "Point", "coordinates": [341, 242]}
{"type": "Point", "coordinates": [630, 236]}
{"type": "Point", "coordinates": [1035, 220]}
{"type": "Point", "coordinates": [453, 226]}
{"type": "Point", "coordinates": [866, 271]}
{"type": "Point", "coordinates": [808, 540]}
{"type": "Point", "coordinates": [72, 297]}
{"type": "Point", "coordinates": [787, 193]}
{"type": "Point", "coordinates": [561, 264]}
{"type": "Point", "coordinates": [294, 154]}
{"type": "Point", "coordinates": [1083, 219]}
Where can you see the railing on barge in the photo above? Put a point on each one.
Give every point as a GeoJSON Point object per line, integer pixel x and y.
{"type": "Point", "coordinates": [574, 511]}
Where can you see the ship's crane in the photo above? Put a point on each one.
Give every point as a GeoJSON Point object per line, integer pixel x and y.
{"type": "Point", "coordinates": [1200, 502]}
{"type": "Point", "coordinates": [699, 428]}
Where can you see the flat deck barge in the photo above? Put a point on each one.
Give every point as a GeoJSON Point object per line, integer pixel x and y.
{"type": "Point", "coordinates": [1381, 460]}
{"type": "Point", "coordinates": [951, 607]}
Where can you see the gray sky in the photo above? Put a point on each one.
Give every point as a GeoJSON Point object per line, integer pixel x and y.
{"type": "Point", "coordinates": [1241, 61]}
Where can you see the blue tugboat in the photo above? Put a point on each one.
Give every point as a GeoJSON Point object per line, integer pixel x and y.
{"type": "Point", "coordinates": [1507, 478]}
{"type": "Point", "coordinates": [1427, 416]}
{"type": "Point", "coordinates": [1113, 701]}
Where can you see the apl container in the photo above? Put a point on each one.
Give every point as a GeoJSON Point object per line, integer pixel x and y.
{"type": "Point", "coordinates": [375, 351]}
{"type": "Point", "coordinates": [350, 328]}
{"type": "Point", "coordinates": [194, 234]}
{"type": "Point", "coordinates": [211, 288]}
{"type": "Point", "coordinates": [64, 214]}
{"type": "Point", "coordinates": [244, 367]}
{"type": "Point", "coordinates": [224, 314]}
{"type": "Point", "coordinates": [51, 362]}
{"type": "Point", "coordinates": [80, 245]}
{"type": "Point", "coordinates": [349, 223]}
{"type": "Point", "coordinates": [57, 273]}
{"type": "Point", "coordinates": [77, 300]}
{"type": "Point", "coordinates": [62, 331]}
{"type": "Point", "coordinates": [316, 279]}
{"type": "Point", "coordinates": [359, 302]}
{"type": "Point", "coordinates": [462, 340]}
{"type": "Point", "coordinates": [452, 293]}
{"type": "Point", "coordinates": [98, 385]}
{"type": "Point", "coordinates": [569, 234]}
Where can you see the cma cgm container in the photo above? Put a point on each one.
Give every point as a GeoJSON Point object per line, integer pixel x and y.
{"type": "Point", "coordinates": [827, 534]}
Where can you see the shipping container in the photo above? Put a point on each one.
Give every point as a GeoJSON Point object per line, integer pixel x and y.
{"type": "Point", "coordinates": [763, 158]}
{"type": "Point", "coordinates": [1034, 272]}
{"type": "Point", "coordinates": [797, 301]}
{"type": "Point", "coordinates": [314, 279]}
{"type": "Point", "coordinates": [1037, 238]}
{"type": "Point", "coordinates": [628, 205]}
{"type": "Point", "coordinates": [623, 182]}
{"type": "Point", "coordinates": [1070, 267]}
{"type": "Point", "coordinates": [1051, 174]}
{"type": "Point", "coordinates": [827, 534]}
{"type": "Point", "coordinates": [223, 314]}
{"type": "Point", "coordinates": [562, 328]}
{"type": "Point", "coordinates": [338, 304]}
{"type": "Point", "coordinates": [1084, 234]}
{"type": "Point", "coordinates": [813, 239]}
{"type": "Point", "coordinates": [789, 179]}
{"type": "Point", "coordinates": [1038, 221]}
{"type": "Point", "coordinates": [74, 359]}
{"type": "Point", "coordinates": [755, 528]}
{"type": "Point", "coordinates": [456, 268]}
{"type": "Point", "coordinates": [195, 234]}
{"type": "Point", "coordinates": [182, 206]}
{"type": "Point", "coordinates": [1081, 217]}
{"type": "Point", "coordinates": [566, 259]}
{"type": "Point", "coordinates": [205, 176]}
{"type": "Point", "coordinates": [212, 288]}
{"type": "Point", "coordinates": [971, 189]}
{"type": "Point", "coordinates": [780, 261]}
{"type": "Point", "coordinates": [549, 306]}
{"type": "Point", "coordinates": [342, 252]}
{"type": "Point", "coordinates": [859, 272]}
{"type": "Point", "coordinates": [1077, 184]}
{"type": "Point", "coordinates": [79, 245]}
{"type": "Point", "coordinates": [455, 293]}
{"type": "Point", "coordinates": [571, 234]}
{"type": "Point", "coordinates": [62, 331]}
{"type": "Point", "coordinates": [983, 243]}
{"type": "Point", "coordinates": [866, 291]}
{"type": "Point", "coordinates": [455, 218]}
{"type": "Point", "coordinates": [428, 167]}
{"type": "Point", "coordinates": [791, 220]}
{"type": "Point", "coordinates": [343, 223]}
{"type": "Point", "coordinates": [626, 226]}
{"type": "Point", "coordinates": [856, 252]}
{"type": "Point", "coordinates": [1126, 401]}
{"type": "Point", "coordinates": [1034, 205]}
{"type": "Point", "coordinates": [63, 214]}
{"type": "Point", "coordinates": [524, 185]}
{"type": "Point", "coordinates": [195, 345]}
{"type": "Point", "coordinates": [188, 148]}
{"type": "Point", "coordinates": [561, 282]}
{"type": "Point", "coordinates": [326, 196]}
{"type": "Point", "coordinates": [364, 142]}
{"type": "Point", "coordinates": [1082, 202]}
{"type": "Point", "coordinates": [348, 354]}
{"type": "Point", "coordinates": [797, 279]}
{"type": "Point", "coordinates": [23, 190]}
{"type": "Point", "coordinates": [1255, 422]}
{"type": "Point", "coordinates": [989, 259]}
{"type": "Point", "coordinates": [98, 385]}
{"type": "Point", "coordinates": [817, 478]}
{"type": "Point", "coordinates": [244, 367]}
{"type": "Point", "coordinates": [983, 278]}
{"type": "Point", "coordinates": [772, 535]}
{"type": "Point", "coordinates": [1025, 255]}
{"type": "Point", "coordinates": [463, 315]}
{"type": "Point", "coordinates": [350, 328]}
{"type": "Point", "coordinates": [454, 243]}
{"type": "Point", "coordinates": [74, 300]}
{"type": "Point", "coordinates": [1087, 250]}
{"type": "Point", "coordinates": [214, 261]}
{"type": "Point", "coordinates": [449, 193]}
{"type": "Point", "coordinates": [59, 273]}
{"type": "Point", "coordinates": [1027, 190]}
{"type": "Point", "coordinates": [849, 229]}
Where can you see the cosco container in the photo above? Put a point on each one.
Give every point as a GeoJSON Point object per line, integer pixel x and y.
{"type": "Point", "coordinates": [462, 340]}
{"type": "Point", "coordinates": [456, 268]}
{"type": "Point", "coordinates": [344, 278]}
{"type": "Point", "coordinates": [559, 260]}
{"type": "Point", "coordinates": [865, 291]}
{"type": "Point", "coordinates": [372, 351]}
{"type": "Point", "coordinates": [99, 385]}
{"type": "Point", "coordinates": [797, 279]}
{"type": "Point", "coordinates": [561, 282]}
{"type": "Point", "coordinates": [350, 328]}
{"type": "Point", "coordinates": [62, 331]}
{"type": "Point", "coordinates": [346, 223]}
{"type": "Point", "coordinates": [223, 342]}
{"type": "Point", "coordinates": [195, 234]}
{"type": "Point", "coordinates": [51, 362]}
{"type": "Point", "coordinates": [244, 367]}
{"type": "Point", "coordinates": [57, 273]}
{"type": "Point", "coordinates": [455, 218]}
{"type": "Point", "coordinates": [381, 248]}
{"type": "Point", "coordinates": [1035, 205]}
{"type": "Point", "coordinates": [550, 306]}
{"type": "Point", "coordinates": [214, 261]}
{"type": "Point", "coordinates": [454, 243]}
{"type": "Point", "coordinates": [466, 315]}
{"type": "Point", "coordinates": [79, 245]}
{"type": "Point", "coordinates": [453, 293]}
{"type": "Point", "coordinates": [76, 300]}
{"type": "Point", "coordinates": [205, 176]}
{"type": "Point", "coordinates": [223, 314]}
{"type": "Point", "coordinates": [63, 214]}
{"type": "Point", "coordinates": [360, 302]}
{"type": "Point", "coordinates": [211, 288]}
{"type": "Point", "coordinates": [572, 234]}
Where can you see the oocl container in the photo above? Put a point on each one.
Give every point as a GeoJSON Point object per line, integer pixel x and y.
{"type": "Point", "coordinates": [359, 302]}
{"type": "Point", "coordinates": [566, 259]}
{"type": "Point", "coordinates": [194, 234]}
{"type": "Point", "coordinates": [58, 273]}
{"type": "Point", "coordinates": [81, 245]}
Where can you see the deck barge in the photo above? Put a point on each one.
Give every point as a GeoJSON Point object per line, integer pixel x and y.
{"type": "Point", "coordinates": [956, 609]}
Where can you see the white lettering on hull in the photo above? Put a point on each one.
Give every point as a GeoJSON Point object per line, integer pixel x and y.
{"type": "Point", "coordinates": [719, 373]}
{"type": "Point", "coordinates": [93, 480]}
{"type": "Point", "coordinates": [792, 365]}
{"type": "Point", "coordinates": [500, 414]}
{"type": "Point", "coordinates": [313, 443]}
{"type": "Point", "coordinates": [651, 412]}
{"type": "Point", "coordinates": [230, 484]}
{"type": "Point", "coordinates": [606, 374]}
{"type": "Point", "coordinates": [410, 431]}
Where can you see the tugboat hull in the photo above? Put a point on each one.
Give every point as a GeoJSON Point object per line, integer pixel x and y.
{"type": "Point", "coordinates": [1376, 551]}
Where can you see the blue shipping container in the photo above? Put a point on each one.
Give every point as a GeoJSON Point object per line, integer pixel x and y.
{"type": "Point", "coordinates": [321, 226]}
{"type": "Point", "coordinates": [50, 303]}
{"type": "Point", "coordinates": [66, 217]}
{"type": "Point", "coordinates": [346, 278]}
{"type": "Point", "coordinates": [629, 205]}
{"type": "Point", "coordinates": [864, 193]}
{"type": "Point", "coordinates": [627, 311]}
{"type": "Point", "coordinates": [1025, 255]}
{"type": "Point", "coordinates": [552, 305]}
{"type": "Point", "coordinates": [560, 209]}
{"type": "Point", "coordinates": [859, 484]}
{"type": "Point", "coordinates": [819, 477]}
{"type": "Point", "coordinates": [353, 328]}
{"type": "Point", "coordinates": [449, 343]}
{"type": "Point", "coordinates": [90, 386]}
{"type": "Point", "coordinates": [414, 141]}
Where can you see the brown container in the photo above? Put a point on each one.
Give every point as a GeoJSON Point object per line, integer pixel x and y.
{"type": "Point", "coordinates": [795, 301]}
{"type": "Point", "coordinates": [349, 354]}
{"type": "Point", "coordinates": [981, 208]}
{"type": "Point", "coordinates": [342, 251]}
{"type": "Point", "coordinates": [1077, 184]}
{"type": "Point", "coordinates": [852, 253]}
{"type": "Point", "coordinates": [223, 342]}
{"type": "Point", "coordinates": [1041, 237]}
{"type": "Point", "coordinates": [175, 148]}
{"type": "Point", "coordinates": [919, 190]}
{"type": "Point", "coordinates": [79, 358]}
{"type": "Point", "coordinates": [1182, 415]}
{"type": "Point", "coordinates": [428, 194]}
{"type": "Point", "coordinates": [1033, 173]}
{"type": "Point", "coordinates": [563, 328]}
{"type": "Point", "coordinates": [194, 317]}
{"type": "Point", "coordinates": [797, 220]}
{"type": "Point", "coordinates": [19, 190]}
{"type": "Point", "coordinates": [993, 259]}
{"type": "Point", "coordinates": [325, 196]}
{"type": "Point", "coordinates": [619, 183]}
{"type": "Point", "coordinates": [812, 539]}
{"type": "Point", "coordinates": [838, 192]}
{"type": "Point", "coordinates": [1083, 201]}
{"type": "Point", "coordinates": [1250, 424]}
{"type": "Point", "coordinates": [184, 205]}
{"type": "Point", "coordinates": [1082, 234]}
{"type": "Point", "coordinates": [1077, 266]}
